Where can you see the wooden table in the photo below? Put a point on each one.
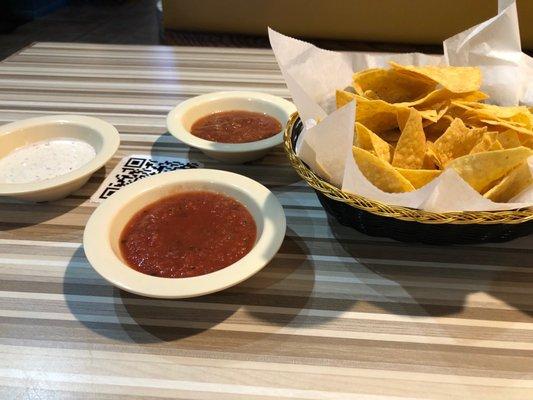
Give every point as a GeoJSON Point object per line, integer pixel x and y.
{"type": "Point", "coordinates": [337, 315]}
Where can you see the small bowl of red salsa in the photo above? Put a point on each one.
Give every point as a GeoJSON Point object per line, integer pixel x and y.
{"type": "Point", "coordinates": [185, 233]}
{"type": "Point", "coordinates": [233, 127]}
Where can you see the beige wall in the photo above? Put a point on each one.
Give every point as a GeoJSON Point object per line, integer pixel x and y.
{"type": "Point", "coordinates": [400, 21]}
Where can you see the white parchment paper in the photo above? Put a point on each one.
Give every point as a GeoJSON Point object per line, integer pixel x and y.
{"type": "Point", "coordinates": [313, 75]}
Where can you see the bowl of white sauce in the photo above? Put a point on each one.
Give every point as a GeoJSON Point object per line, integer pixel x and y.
{"type": "Point", "coordinates": [47, 158]}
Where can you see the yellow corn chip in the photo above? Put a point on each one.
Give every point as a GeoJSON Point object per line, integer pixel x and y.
{"type": "Point", "coordinates": [455, 79]}
{"type": "Point", "coordinates": [440, 113]}
{"type": "Point", "coordinates": [370, 94]}
{"type": "Point", "coordinates": [523, 119]}
{"type": "Point", "coordinates": [492, 111]}
{"type": "Point", "coordinates": [380, 173]}
{"type": "Point", "coordinates": [368, 140]}
{"type": "Point", "coordinates": [429, 163]}
{"type": "Point", "coordinates": [504, 125]}
{"type": "Point", "coordinates": [508, 125]}
{"type": "Point", "coordinates": [496, 145]}
{"type": "Point", "coordinates": [508, 139]}
{"type": "Point", "coordinates": [343, 97]}
{"type": "Point", "coordinates": [472, 96]}
{"type": "Point", "coordinates": [456, 110]}
{"type": "Point", "coordinates": [526, 140]}
{"type": "Point", "coordinates": [479, 115]}
{"type": "Point", "coordinates": [380, 116]}
{"type": "Point", "coordinates": [431, 158]}
{"type": "Point", "coordinates": [457, 141]}
{"type": "Point", "coordinates": [390, 136]}
{"type": "Point", "coordinates": [482, 146]}
{"type": "Point", "coordinates": [480, 169]}
{"type": "Point", "coordinates": [487, 142]}
{"type": "Point", "coordinates": [376, 115]}
{"type": "Point", "coordinates": [411, 146]}
{"type": "Point", "coordinates": [419, 177]}
{"type": "Point", "coordinates": [412, 122]}
{"type": "Point", "coordinates": [435, 155]}
{"type": "Point", "coordinates": [511, 184]}
{"type": "Point", "coordinates": [515, 118]}
{"type": "Point", "coordinates": [443, 95]}
{"type": "Point", "coordinates": [435, 130]}
{"type": "Point", "coordinates": [434, 114]}
{"type": "Point", "coordinates": [402, 117]}
{"type": "Point", "coordinates": [390, 85]}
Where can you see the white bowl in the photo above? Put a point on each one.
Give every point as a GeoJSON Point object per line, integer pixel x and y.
{"type": "Point", "coordinates": [181, 118]}
{"type": "Point", "coordinates": [102, 232]}
{"type": "Point", "coordinates": [102, 136]}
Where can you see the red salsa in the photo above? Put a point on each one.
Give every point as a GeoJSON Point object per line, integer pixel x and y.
{"type": "Point", "coordinates": [236, 126]}
{"type": "Point", "coordinates": [188, 234]}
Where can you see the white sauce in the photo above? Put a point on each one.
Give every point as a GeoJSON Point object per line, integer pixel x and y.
{"type": "Point", "coordinates": [45, 160]}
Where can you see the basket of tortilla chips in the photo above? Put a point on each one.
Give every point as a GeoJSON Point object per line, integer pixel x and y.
{"type": "Point", "coordinates": [414, 124]}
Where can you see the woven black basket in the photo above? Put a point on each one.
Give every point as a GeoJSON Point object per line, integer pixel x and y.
{"type": "Point", "coordinates": [432, 230]}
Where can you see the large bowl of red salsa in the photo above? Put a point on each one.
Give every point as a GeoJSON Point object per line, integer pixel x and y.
{"type": "Point", "coordinates": [128, 237]}
{"type": "Point", "coordinates": [233, 127]}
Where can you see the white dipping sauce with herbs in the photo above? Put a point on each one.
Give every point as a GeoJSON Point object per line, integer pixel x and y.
{"type": "Point", "coordinates": [45, 160]}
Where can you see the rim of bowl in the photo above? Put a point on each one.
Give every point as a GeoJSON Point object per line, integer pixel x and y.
{"type": "Point", "coordinates": [99, 251]}
{"type": "Point", "coordinates": [176, 127]}
{"type": "Point", "coordinates": [110, 143]}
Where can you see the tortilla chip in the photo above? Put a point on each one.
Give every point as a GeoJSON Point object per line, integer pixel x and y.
{"type": "Point", "coordinates": [455, 79]}
{"type": "Point", "coordinates": [431, 158]}
{"type": "Point", "coordinates": [480, 169]}
{"type": "Point", "coordinates": [441, 111]}
{"type": "Point", "coordinates": [509, 139]}
{"type": "Point", "coordinates": [496, 145]}
{"type": "Point", "coordinates": [376, 115]}
{"type": "Point", "coordinates": [526, 140]}
{"type": "Point", "coordinates": [402, 117]}
{"type": "Point", "coordinates": [380, 173]}
{"type": "Point", "coordinates": [419, 177]}
{"type": "Point", "coordinates": [380, 116]}
{"type": "Point", "coordinates": [441, 96]}
{"type": "Point", "coordinates": [477, 115]}
{"type": "Point", "coordinates": [511, 185]}
{"type": "Point", "coordinates": [516, 118]}
{"type": "Point", "coordinates": [411, 146]}
{"type": "Point", "coordinates": [492, 111]}
{"type": "Point", "coordinates": [368, 140]}
{"type": "Point", "coordinates": [429, 162]}
{"type": "Point", "coordinates": [483, 145]}
{"type": "Point", "coordinates": [390, 85]}
{"type": "Point", "coordinates": [343, 97]}
{"type": "Point", "coordinates": [487, 142]}
{"type": "Point", "coordinates": [508, 125]}
{"type": "Point", "coordinates": [391, 136]}
{"type": "Point", "coordinates": [435, 130]}
{"type": "Point", "coordinates": [472, 96]}
{"type": "Point", "coordinates": [457, 141]}
{"type": "Point", "coordinates": [370, 94]}
{"type": "Point", "coordinates": [523, 119]}
{"type": "Point", "coordinates": [457, 110]}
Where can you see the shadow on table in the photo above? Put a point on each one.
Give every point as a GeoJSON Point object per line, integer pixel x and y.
{"type": "Point", "coordinates": [278, 171]}
{"type": "Point", "coordinates": [119, 315]}
{"type": "Point", "coordinates": [123, 316]}
{"type": "Point", "coordinates": [407, 284]}
{"type": "Point", "coordinates": [167, 145]}
{"type": "Point", "coordinates": [16, 214]}
{"type": "Point", "coordinates": [164, 144]}
{"type": "Point", "coordinates": [277, 294]}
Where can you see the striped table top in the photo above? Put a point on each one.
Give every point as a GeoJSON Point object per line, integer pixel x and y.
{"type": "Point", "coordinates": [336, 315]}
